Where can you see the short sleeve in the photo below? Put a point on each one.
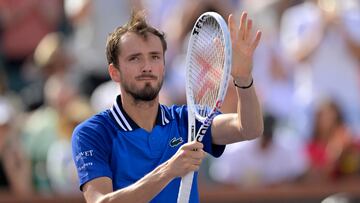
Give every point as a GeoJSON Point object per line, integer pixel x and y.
{"type": "Point", "coordinates": [209, 147]}
{"type": "Point", "coordinates": [91, 152]}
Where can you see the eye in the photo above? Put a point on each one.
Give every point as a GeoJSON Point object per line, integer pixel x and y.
{"type": "Point", "coordinates": [156, 57]}
{"type": "Point", "coordinates": [134, 58]}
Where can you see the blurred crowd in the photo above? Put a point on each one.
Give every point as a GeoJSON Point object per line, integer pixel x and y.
{"type": "Point", "coordinates": [53, 75]}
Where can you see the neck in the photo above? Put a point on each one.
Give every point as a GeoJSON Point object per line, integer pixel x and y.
{"type": "Point", "coordinates": [143, 113]}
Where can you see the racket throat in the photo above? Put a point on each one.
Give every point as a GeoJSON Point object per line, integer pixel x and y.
{"type": "Point", "coordinates": [202, 131]}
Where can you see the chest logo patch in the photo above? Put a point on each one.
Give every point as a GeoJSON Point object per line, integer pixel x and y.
{"type": "Point", "coordinates": [176, 141]}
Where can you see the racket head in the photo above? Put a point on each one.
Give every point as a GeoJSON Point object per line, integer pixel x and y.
{"type": "Point", "coordinates": [208, 65]}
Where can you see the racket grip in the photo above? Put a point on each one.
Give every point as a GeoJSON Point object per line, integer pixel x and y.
{"type": "Point", "coordinates": [185, 188]}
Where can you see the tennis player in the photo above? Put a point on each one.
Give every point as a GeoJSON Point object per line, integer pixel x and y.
{"type": "Point", "coordinates": [137, 151]}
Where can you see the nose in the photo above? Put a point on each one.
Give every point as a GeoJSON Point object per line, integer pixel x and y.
{"type": "Point", "coordinates": [147, 67]}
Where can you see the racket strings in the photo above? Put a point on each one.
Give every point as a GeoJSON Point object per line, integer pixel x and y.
{"type": "Point", "coordinates": [206, 65]}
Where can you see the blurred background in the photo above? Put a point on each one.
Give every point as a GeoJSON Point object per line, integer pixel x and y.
{"type": "Point", "coordinates": [53, 75]}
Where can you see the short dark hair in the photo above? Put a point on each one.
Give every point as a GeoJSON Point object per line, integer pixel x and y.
{"type": "Point", "coordinates": [138, 25]}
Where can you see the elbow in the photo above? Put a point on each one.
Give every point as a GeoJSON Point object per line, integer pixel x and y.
{"type": "Point", "coordinates": [103, 200]}
{"type": "Point", "coordinates": [254, 132]}
{"type": "Point", "coordinates": [108, 198]}
{"type": "Point", "coordinates": [253, 135]}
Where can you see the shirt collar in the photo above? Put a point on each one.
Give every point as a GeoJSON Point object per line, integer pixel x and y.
{"type": "Point", "coordinates": [124, 121]}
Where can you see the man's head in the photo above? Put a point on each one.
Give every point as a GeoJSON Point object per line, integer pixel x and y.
{"type": "Point", "coordinates": [137, 25]}
{"type": "Point", "coordinates": [135, 54]}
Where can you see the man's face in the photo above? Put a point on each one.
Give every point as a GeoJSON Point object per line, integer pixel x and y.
{"type": "Point", "coordinates": [141, 64]}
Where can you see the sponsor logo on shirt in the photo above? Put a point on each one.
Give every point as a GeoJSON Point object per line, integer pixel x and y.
{"type": "Point", "coordinates": [176, 141]}
{"type": "Point", "coordinates": [84, 154]}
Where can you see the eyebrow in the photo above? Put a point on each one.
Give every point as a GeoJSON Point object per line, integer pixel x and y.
{"type": "Point", "coordinates": [139, 54]}
{"type": "Point", "coordinates": [134, 54]}
{"type": "Point", "coordinates": [155, 53]}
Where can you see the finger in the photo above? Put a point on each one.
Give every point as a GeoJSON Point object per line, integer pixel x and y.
{"type": "Point", "coordinates": [192, 145]}
{"type": "Point", "coordinates": [195, 144]}
{"type": "Point", "coordinates": [196, 162]}
{"type": "Point", "coordinates": [193, 163]}
{"type": "Point", "coordinates": [190, 163]}
{"type": "Point", "coordinates": [242, 25]}
{"type": "Point", "coordinates": [193, 154]}
{"type": "Point", "coordinates": [232, 27]}
{"type": "Point", "coordinates": [187, 146]}
{"type": "Point", "coordinates": [256, 40]}
{"type": "Point", "coordinates": [198, 146]}
{"type": "Point", "coordinates": [248, 29]}
{"type": "Point", "coordinates": [200, 154]}
{"type": "Point", "coordinates": [194, 168]}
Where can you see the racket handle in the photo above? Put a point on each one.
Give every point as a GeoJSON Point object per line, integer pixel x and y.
{"type": "Point", "coordinates": [185, 188]}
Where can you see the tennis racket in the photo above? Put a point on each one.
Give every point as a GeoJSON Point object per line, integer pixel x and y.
{"type": "Point", "coordinates": [208, 67]}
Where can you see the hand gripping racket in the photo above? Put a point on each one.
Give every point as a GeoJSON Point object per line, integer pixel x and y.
{"type": "Point", "coordinates": [208, 67]}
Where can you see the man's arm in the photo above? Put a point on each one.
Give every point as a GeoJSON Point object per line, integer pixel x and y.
{"type": "Point", "coordinates": [186, 159]}
{"type": "Point", "coordinates": [101, 189]}
{"type": "Point", "coordinates": [247, 123]}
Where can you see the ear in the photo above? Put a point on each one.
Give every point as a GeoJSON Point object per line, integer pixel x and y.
{"type": "Point", "coordinates": [114, 73]}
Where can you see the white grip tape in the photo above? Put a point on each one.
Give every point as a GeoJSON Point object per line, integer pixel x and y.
{"type": "Point", "coordinates": [185, 188]}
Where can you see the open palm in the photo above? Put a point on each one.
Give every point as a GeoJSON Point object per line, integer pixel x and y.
{"type": "Point", "coordinates": [244, 44]}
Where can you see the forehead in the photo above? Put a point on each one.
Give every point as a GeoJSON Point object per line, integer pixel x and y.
{"type": "Point", "coordinates": [134, 43]}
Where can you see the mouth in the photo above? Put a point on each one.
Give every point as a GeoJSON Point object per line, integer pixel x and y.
{"type": "Point", "coordinates": [146, 77]}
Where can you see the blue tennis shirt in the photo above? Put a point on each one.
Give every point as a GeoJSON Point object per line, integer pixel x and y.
{"type": "Point", "coordinates": [110, 144]}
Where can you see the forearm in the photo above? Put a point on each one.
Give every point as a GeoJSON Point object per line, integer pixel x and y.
{"type": "Point", "coordinates": [143, 190]}
{"type": "Point", "coordinates": [249, 111]}
{"type": "Point", "coordinates": [246, 124]}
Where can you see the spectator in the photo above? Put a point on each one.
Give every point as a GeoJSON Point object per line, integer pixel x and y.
{"type": "Point", "coordinates": [50, 58]}
{"type": "Point", "coordinates": [23, 24]}
{"type": "Point", "coordinates": [330, 138]}
{"type": "Point", "coordinates": [59, 165]}
{"type": "Point", "coordinates": [55, 90]}
{"type": "Point", "coordinates": [262, 162]}
{"type": "Point", "coordinates": [318, 43]}
{"type": "Point", "coordinates": [15, 171]}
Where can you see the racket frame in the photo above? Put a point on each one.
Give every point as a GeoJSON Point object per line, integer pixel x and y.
{"type": "Point", "coordinates": [186, 181]}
